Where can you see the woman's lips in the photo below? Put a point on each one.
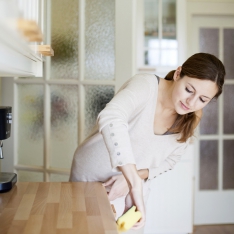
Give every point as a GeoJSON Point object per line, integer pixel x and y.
{"type": "Point", "coordinates": [184, 107]}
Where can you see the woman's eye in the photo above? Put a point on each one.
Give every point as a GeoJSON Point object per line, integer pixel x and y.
{"type": "Point", "coordinates": [189, 91]}
{"type": "Point", "coordinates": [202, 100]}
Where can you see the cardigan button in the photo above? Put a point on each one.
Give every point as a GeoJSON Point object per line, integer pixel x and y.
{"type": "Point", "coordinates": [118, 153]}
{"type": "Point", "coordinates": [112, 134]}
{"type": "Point", "coordinates": [116, 144]}
{"type": "Point", "coordinates": [111, 125]}
{"type": "Point", "coordinates": [120, 163]}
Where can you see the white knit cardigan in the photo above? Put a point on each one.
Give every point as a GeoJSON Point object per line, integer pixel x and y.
{"type": "Point", "coordinates": [125, 135]}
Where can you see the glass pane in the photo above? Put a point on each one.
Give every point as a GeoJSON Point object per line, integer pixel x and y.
{"type": "Point", "coordinates": [209, 120]}
{"type": "Point", "coordinates": [169, 44]}
{"type": "Point", "coordinates": [152, 57]}
{"type": "Point", "coordinates": [100, 40]}
{"type": "Point", "coordinates": [30, 124]}
{"type": "Point", "coordinates": [228, 108]}
{"type": "Point", "coordinates": [59, 178]}
{"type": "Point", "coordinates": [209, 41]}
{"type": "Point", "coordinates": [152, 42]}
{"type": "Point", "coordinates": [64, 124]}
{"type": "Point", "coordinates": [228, 164]}
{"type": "Point", "coordinates": [169, 57]}
{"type": "Point", "coordinates": [151, 23]}
{"type": "Point", "coordinates": [208, 165]}
{"type": "Point", "coordinates": [96, 98]}
{"type": "Point", "coordinates": [228, 55]}
{"type": "Point", "coordinates": [169, 19]}
{"type": "Point", "coordinates": [64, 39]}
{"type": "Point", "coordinates": [28, 176]}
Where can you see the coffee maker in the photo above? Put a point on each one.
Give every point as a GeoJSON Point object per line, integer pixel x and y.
{"type": "Point", "coordinates": [7, 180]}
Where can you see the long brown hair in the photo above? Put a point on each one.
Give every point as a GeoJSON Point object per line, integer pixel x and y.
{"type": "Point", "coordinates": [201, 66]}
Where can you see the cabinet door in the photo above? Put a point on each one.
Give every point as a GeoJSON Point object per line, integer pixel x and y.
{"type": "Point", "coordinates": [169, 208]}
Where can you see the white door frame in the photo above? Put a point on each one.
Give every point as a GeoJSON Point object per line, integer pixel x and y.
{"type": "Point", "coordinates": [222, 212]}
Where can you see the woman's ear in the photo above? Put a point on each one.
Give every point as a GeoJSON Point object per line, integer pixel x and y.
{"type": "Point", "coordinates": [176, 75]}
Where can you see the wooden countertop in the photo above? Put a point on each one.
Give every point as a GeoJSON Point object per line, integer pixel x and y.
{"type": "Point", "coordinates": [66, 207]}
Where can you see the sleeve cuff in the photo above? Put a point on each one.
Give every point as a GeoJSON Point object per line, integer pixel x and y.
{"type": "Point", "coordinates": [153, 173]}
{"type": "Point", "coordinates": [118, 144]}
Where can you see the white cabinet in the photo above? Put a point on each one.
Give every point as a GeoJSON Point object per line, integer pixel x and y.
{"type": "Point", "coordinates": [169, 208]}
{"type": "Point", "coordinates": [17, 58]}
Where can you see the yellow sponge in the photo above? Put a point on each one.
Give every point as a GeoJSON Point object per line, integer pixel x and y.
{"type": "Point", "coordinates": [127, 220]}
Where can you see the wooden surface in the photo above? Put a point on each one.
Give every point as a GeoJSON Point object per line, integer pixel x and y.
{"type": "Point", "coordinates": [30, 30]}
{"type": "Point", "coordinates": [214, 229]}
{"type": "Point", "coordinates": [45, 50]}
{"type": "Point", "coordinates": [77, 207]}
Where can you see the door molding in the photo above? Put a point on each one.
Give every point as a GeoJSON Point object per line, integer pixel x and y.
{"type": "Point", "coordinates": [221, 11]}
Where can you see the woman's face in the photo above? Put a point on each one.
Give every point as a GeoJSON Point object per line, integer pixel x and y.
{"type": "Point", "coordinates": [190, 94]}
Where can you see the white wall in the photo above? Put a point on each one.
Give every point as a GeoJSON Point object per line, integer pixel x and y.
{"type": "Point", "coordinates": [0, 105]}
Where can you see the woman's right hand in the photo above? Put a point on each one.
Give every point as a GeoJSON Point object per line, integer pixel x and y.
{"type": "Point", "coordinates": [135, 198]}
{"type": "Point", "coordinates": [135, 195]}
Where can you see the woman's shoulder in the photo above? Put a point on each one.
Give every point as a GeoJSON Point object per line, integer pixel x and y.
{"type": "Point", "coordinates": [152, 78]}
{"type": "Point", "coordinates": [144, 80]}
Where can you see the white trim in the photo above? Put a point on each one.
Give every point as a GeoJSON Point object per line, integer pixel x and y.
{"type": "Point", "coordinates": [140, 33]}
{"type": "Point", "coordinates": [42, 169]}
{"type": "Point", "coordinates": [67, 81]}
{"type": "Point", "coordinates": [181, 30]}
{"type": "Point", "coordinates": [160, 27]}
{"type": "Point", "coordinates": [125, 65]}
{"type": "Point", "coordinates": [208, 8]}
{"type": "Point", "coordinates": [217, 136]}
{"type": "Point", "coordinates": [15, 123]}
{"type": "Point", "coordinates": [81, 91]}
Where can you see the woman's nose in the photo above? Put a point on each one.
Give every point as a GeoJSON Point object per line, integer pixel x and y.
{"type": "Point", "coordinates": [191, 101]}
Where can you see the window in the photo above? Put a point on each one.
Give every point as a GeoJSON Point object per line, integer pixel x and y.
{"type": "Point", "coordinates": [160, 36]}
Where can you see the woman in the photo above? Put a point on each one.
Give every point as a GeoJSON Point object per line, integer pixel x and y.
{"type": "Point", "coordinates": [143, 131]}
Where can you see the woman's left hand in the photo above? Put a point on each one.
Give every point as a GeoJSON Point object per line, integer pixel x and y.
{"type": "Point", "coordinates": [118, 187]}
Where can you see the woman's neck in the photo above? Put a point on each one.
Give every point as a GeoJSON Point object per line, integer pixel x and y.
{"type": "Point", "coordinates": [164, 102]}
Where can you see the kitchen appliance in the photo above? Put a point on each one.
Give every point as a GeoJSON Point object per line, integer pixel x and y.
{"type": "Point", "coordinates": [7, 180]}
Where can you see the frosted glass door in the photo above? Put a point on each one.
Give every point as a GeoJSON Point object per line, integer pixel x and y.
{"type": "Point", "coordinates": [214, 174]}
{"type": "Point", "coordinates": [53, 114]}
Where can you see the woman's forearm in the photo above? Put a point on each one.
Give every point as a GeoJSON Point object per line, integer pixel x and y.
{"type": "Point", "coordinates": [131, 175]}
{"type": "Point", "coordinates": [143, 173]}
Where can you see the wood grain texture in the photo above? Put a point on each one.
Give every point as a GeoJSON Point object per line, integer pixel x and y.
{"type": "Point", "coordinates": [76, 207]}
{"type": "Point", "coordinates": [214, 229]}
{"type": "Point", "coordinates": [25, 207]}
{"type": "Point", "coordinates": [5, 197]}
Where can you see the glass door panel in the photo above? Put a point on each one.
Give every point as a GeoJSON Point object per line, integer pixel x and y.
{"type": "Point", "coordinates": [209, 165]}
{"type": "Point", "coordinates": [228, 109]}
{"type": "Point", "coordinates": [64, 124]}
{"type": "Point", "coordinates": [209, 121]}
{"type": "Point", "coordinates": [96, 98]}
{"type": "Point", "coordinates": [228, 164]}
{"type": "Point", "coordinates": [99, 40]}
{"type": "Point", "coordinates": [64, 39]}
{"type": "Point", "coordinates": [30, 122]}
{"type": "Point", "coordinates": [209, 41]}
{"type": "Point", "coordinates": [228, 47]}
